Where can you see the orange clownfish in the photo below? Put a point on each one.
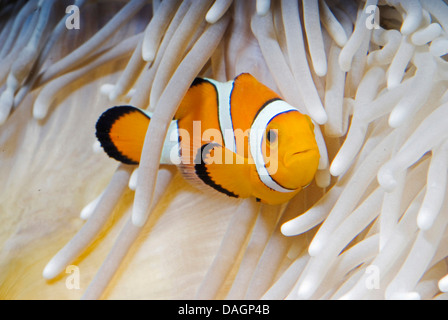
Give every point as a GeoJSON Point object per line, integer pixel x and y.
{"type": "Point", "coordinates": [238, 138]}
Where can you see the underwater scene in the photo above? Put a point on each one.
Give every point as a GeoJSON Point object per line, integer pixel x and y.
{"type": "Point", "coordinates": [223, 150]}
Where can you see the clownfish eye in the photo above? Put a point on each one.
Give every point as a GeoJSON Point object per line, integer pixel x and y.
{"type": "Point", "coordinates": [272, 136]}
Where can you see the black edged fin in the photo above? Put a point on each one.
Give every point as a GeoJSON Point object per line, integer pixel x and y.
{"type": "Point", "coordinates": [201, 170]}
{"type": "Point", "coordinates": [121, 130]}
{"type": "Point", "coordinates": [209, 172]}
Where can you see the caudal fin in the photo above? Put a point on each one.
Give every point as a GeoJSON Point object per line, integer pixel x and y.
{"type": "Point", "coordinates": [121, 131]}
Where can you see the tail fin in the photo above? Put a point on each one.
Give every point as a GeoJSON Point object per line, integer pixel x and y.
{"type": "Point", "coordinates": [121, 131]}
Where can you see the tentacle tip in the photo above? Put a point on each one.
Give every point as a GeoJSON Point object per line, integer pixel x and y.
{"type": "Point", "coordinates": [133, 180]}
{"type": "Point", "coordinates": [96, 147]}
{"type": "Point", "coordinates": [305, 290]}
{"type": "Point", "coordinates": [321, 118]}
{"type": "Point", "coordinates": [114, 95]}
{"type": "Point", "coordinates": [211, 16]}
{"type": "Point", "coordinates": [5, 109]}
{"type": "Point", "coordinates": [342, 39]}
{"type": "Point", "coordinates": [263, 7]}
{"type": "Point", "coordinates": [323, 178]}
{"type": "Point", "coordinates": [3, 118]}
{"type": "Point", "coordinates": [386, 179]}
{"type": "Point", "coordinates": [411, 295]}
{"type": "Point", "coordinates": [396, 118]}
{"type": "Point", "coordinates": [6, 104]}
{"type": "Point", "coordinates": [287, 229]}
{"type": "Point", "coordinates": [346, 296]}
{"type": "Point", "coordinates": [323, 164]}
{"type": "Point", "coordinates": [12, 83]}
{"type": "Point", "coordinates": [138, 220]}
{"type": "Point", "coordinates": [410, 25]}
{"type": "Point", "coordinates": [443, 284]}
{"type": "Point", "coordinates": [406, 29]}
{"type": "Point", "coordinates": [49, 271]}
{"type": "Point", "coordinates": [392, 83]}
{"type": "Point", "coordinates": [148, 55]}
{"type": "Point", "coordinates": [337, 167]}
{"type": "Point", "coordinates": [107, 88]}
{"type": "Point", "coordinates": [131, 93]}
{"type": "Point", "coordinates": [39, 111]}
{"type": "Point", "coordinates": [344, 63]}
{"type": "Point", "coordinates": [424, 222]}
{"type": "Point", "coordinates": [314, 248]}
{"type": "Point", "coordinates": [320, 69]}
{"type": "Point", "coordinates": [86, 212]}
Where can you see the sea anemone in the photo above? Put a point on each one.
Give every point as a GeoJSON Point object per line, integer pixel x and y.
{"type": "Point", "coordinates": [372, 75]}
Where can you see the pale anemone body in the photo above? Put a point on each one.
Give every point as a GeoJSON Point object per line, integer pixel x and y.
{"type": "Point", "coordinates": [371, 226]}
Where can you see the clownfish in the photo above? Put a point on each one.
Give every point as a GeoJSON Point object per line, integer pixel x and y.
{"type": "Point", "coordinates": [238, 138]}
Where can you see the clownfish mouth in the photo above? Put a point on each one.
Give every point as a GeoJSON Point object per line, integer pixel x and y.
{"type": "Point", "coordinates": [301, 152]}
{"type": "Point", "coordinates": [301, 155]}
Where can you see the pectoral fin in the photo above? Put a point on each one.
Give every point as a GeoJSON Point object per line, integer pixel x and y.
{"type": "Point", "coordinates": [220, 169]}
